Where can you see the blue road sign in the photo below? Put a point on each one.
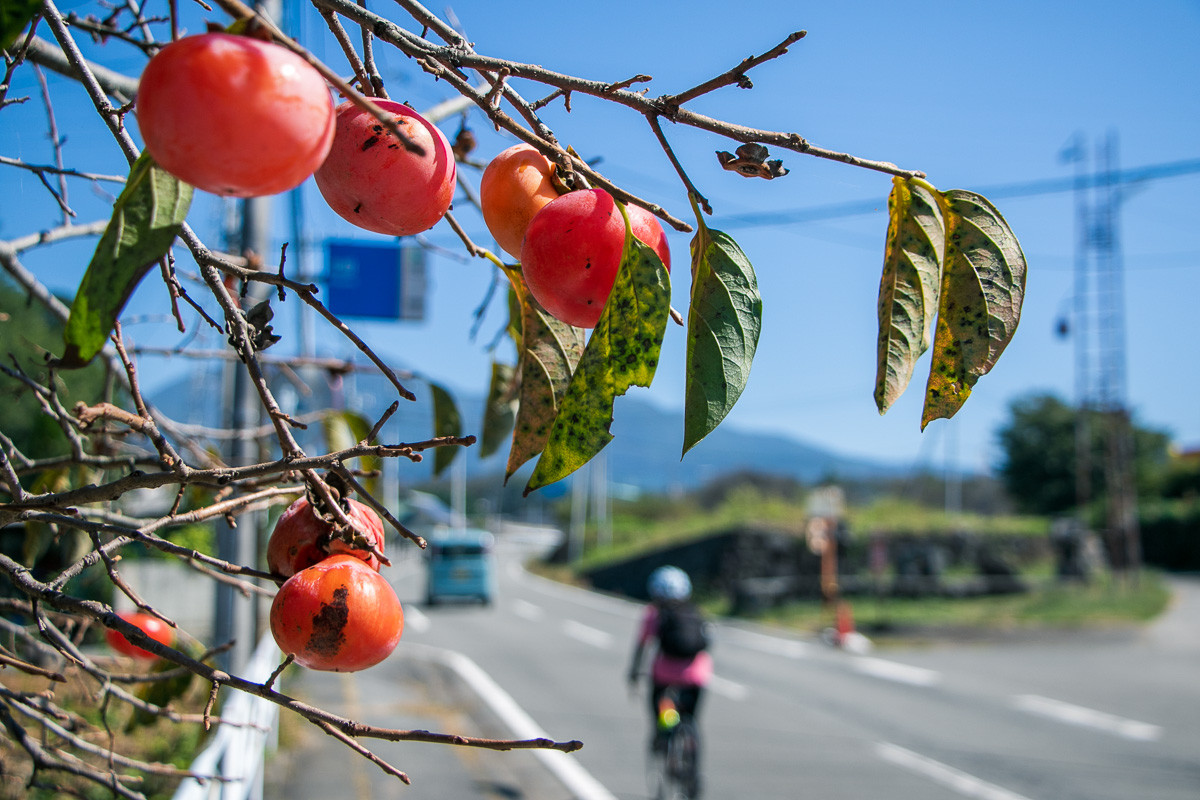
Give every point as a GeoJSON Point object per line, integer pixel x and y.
{"type": "Point", "coordinates": [380, 280]}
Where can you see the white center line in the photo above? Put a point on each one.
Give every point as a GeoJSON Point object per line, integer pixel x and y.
{"type": "Point", "coordinates": [527, 610]}
{"type": "Point", "coordinates": [895, 671]}
{"type": "Point", "coordinates": [587, 634]}
{"type": "Point", "coordinates": [414, 619]}
{"type": "Point", "coordinates": [788, 648]}
{"type": "Point", "coordinates": [727, 688]}
{"type": "Point", "coordinates": [1088, 717]}
{"type": "Point", "coordinates": [961, 782]}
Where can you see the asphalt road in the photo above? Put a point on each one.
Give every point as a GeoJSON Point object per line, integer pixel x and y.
{"type": "Point", "coordinates": [1084, 717]}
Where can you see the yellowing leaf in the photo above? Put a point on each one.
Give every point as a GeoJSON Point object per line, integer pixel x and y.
{"type": "Point", "coordinates": [910, 285]}
{"type": "Point", "coordinates": [983, 287]}
{"type": "Point", "coordinates": [622, 352]}
{"type": "Point", "coordinates": [147, 216]}
{"type": "Point", "coordinates": [724, 321]}
{"type": "Point", "coordinates": [549, 352]}
{"type": "Point", "coordinates": [345, 429]}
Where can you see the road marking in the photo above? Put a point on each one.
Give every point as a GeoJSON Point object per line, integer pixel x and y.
{"type": "Point", "coordinates": [961, 782]}
{"type": "Point", "coordinates": [415, 620]}
{"type": "Point", "coordinates": [895, 671]}
{"type": "Point", "coordinates": [527, 610]}
{"type": "Point", "coordinates": [581, 783]}
{"type": "Point", "coordinates": [728, 688]}
{"type": "Point", "coordinates": [587, 634]}
{"type": "Point", "coordinates": [585, 597]}
{"type": "Point", "coordinates": [1088, 717]}
{"type": "Point", "coordinates": [772, 645]}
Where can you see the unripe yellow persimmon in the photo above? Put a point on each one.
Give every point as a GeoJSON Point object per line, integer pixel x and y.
{"type": "Point", "coordinates": [515, 186]}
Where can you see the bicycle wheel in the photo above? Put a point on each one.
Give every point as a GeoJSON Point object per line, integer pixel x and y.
{"type": "Point", "coordinates": [682, 763]}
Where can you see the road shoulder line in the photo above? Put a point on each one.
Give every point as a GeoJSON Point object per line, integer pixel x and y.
{"type": "Point", "coordinates": [581, 783]}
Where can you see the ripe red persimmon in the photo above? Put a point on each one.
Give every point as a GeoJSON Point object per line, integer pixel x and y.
{"type": "Point", "coordinates": [372, 180]}
{"type": "Point", "coordinates": [233, 115]}
{"type": "Point", "coordinates": [338, 615]}
{"type": "Point", "coordinates": [572, 251]}
{"type": "Point", "coordinates": [301, 538]}
{"type": "Point", "coordinates": [516, 184]}
{"type": "Point", "coordinates": [151, 625]}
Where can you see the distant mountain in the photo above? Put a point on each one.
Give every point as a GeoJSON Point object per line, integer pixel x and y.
{"type": "Point", "coordinates": [644, 453]}
{"type": "Point", "coordinates": [647, 442]}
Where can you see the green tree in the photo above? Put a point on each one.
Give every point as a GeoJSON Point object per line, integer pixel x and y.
{"type": "Point", "coordinates": [1038, 462]}
{"type": "Point", "coordinates": [28, 331]}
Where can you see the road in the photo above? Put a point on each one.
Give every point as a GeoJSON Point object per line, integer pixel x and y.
{"type": "Point", "coordinates": [1087, 717]}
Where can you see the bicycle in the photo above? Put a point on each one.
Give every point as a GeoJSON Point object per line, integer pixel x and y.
{"type": "Point", "coordinates": [673, 768]}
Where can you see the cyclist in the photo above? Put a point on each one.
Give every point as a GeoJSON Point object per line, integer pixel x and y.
{"type": "Point", "coordinates": [680, 635]}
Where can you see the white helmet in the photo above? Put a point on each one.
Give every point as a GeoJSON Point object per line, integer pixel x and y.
{"type": "Point", "coordinates": [669, 583]}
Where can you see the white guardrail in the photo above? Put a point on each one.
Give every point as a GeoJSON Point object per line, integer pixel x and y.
{"type": "Point", "coordinates": [235, 757]}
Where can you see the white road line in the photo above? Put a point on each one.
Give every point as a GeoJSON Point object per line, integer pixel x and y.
{"type": "Point", "coordinates": [415, 620]}
{"type": "Point", "coordinates": [584, 597]}
{"type": "Point", "coordinates": [772, 645]}
{"type": "Point", "coordinates": [527, 610]}
{"type": "Point", "coordinates": [587, 634]}
{"type": "Point", "coordinates": [581, 783]}
{"type": "Point", "coordinates": [895, 671]}
{"type": "Point", "coordinates": [961, 782]}
{"type": "Point", "coordinates": [728, 688]}
{"type": "Point", "coordinates": [1087, 717]}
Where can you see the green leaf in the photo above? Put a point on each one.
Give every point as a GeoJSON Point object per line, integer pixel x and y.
{"type": "Point", "coordinates": [724, 321]}
{"type": "Point", "coordinates": [550, 350]}
{"type": "Point", "coordinates": [909, 288]}
{"type": "Point", "coordinates": [622, 352]}
{"type": "Point", "coordinates": [446, 422]}
{"type": "Point", "coordinates": [14, 16]}
{"type": "Point", "coordinates": [501, 410]}
{"type": "Point", "coordinates": [983, 286]}
{"type": "Point", "coordinates": [345, 429]}
{"type": "Point", "coordinates": [147, 217]}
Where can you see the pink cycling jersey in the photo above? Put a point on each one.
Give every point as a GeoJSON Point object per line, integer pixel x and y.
{"type": "Point", "coordinates": [694, 671]}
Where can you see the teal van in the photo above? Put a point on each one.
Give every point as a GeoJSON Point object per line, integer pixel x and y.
{"type": "Point", "coordinates": [460, 564]}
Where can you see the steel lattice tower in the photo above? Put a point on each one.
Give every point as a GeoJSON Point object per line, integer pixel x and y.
{"type": "Point", "coordinates": [1100, 354]}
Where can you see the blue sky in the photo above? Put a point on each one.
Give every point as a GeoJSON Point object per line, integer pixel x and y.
{"type": "Point", "coordinates": [975, 94]}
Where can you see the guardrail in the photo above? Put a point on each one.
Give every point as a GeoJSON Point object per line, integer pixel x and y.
{"type": "Point", "coordinates": [235, 758]}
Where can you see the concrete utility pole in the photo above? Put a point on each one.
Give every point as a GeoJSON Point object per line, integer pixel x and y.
{"type": "Point", "coordinates": [235, 616]}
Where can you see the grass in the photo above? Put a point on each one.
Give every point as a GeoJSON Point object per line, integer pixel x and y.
{"type": "Point", "coordinates": [1049, 606]}
{"type": "Point", "coordinates": [159, 742]}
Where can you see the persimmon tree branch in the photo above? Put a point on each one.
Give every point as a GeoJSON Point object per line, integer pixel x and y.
{"type": "Point", "coordinates": [116, 442]}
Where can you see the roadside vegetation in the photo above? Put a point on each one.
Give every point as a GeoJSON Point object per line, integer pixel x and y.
{"type": "Point", "coordinates": [892, 512]}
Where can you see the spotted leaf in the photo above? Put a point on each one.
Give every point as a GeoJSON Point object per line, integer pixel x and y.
{"type": "Point", "coordinates": [622, 352]}
{"type": "Point", "coordinates": [909, 287]}
{"type": "Point", "coordinates": [983, 287]}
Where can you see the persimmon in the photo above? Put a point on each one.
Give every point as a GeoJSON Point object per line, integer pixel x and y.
{"type": "Point", "coordinates": [233, 115]}
{"type": "Point", "coordinates": [572, 251]}
{"type": "Point", "coordinates": [516, 184]}
{"type": "Point", "coordinates": [151, 625]}
{"type": "Point", "coordinates": [376, 183]}
{"type": "Point", "coordinates": [301, 537]}
{"type": "Point", "coordinates": [338, 615]}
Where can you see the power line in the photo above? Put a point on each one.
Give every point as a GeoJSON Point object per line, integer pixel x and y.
{"type": "Point", "coordinates": [1041, 186]}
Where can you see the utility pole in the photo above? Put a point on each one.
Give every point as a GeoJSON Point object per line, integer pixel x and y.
{"type": "Point", "coordinates": [235, 617]}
